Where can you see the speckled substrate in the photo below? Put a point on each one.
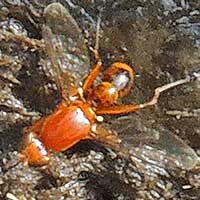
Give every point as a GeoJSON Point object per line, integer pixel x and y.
{"type": "Point", "coordinates": [160, 39]}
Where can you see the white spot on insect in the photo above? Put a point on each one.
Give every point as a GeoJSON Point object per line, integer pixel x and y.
{"type": "Point", "coordinates": [40, 146]}
{"type": "Point", "coordinates": [112, 90]}
{"type": "Point", "coordinates": [81, 118]}
{"type": "Point", "coordinates": [94, 128]}
{"type": "Point", "coordinates": [91, 111]}
{"type": "Point", "coordinates": [80, 91]}
{"type": "Point", "coordinates": [73, 98]}
{"type": "Point", "coordinates": [99, 118]}
{"type": "Point", "coordinates": [121, 81]}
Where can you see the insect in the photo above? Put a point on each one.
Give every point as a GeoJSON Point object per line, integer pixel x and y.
{"type": "Point", "coordinates": [78, 116]}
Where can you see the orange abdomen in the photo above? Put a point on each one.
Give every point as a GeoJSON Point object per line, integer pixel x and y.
{"type": "Point", "coordinates": [65, 127]}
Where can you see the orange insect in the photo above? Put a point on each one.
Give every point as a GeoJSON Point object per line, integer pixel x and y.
{"type": "Point", "coordinates": [77, 117]}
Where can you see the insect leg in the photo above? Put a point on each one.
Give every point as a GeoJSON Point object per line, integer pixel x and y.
{"type": "Point", "coordinates": [95, 72]}
{"type": "Point", "coordinates": [120, 109]}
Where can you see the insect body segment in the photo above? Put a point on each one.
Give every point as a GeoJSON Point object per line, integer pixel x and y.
{"type": "Point", "coordinates": [67, 126]}
{"type": "Point", "coordinates": [116, 82]}
{"type": "Point", "coordinates": [35, 152]}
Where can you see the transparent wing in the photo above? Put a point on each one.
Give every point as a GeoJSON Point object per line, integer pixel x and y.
{"type": "Point", "coordinates": [154, 145]}
{"type": "Point", "coordinates": [65, 47]}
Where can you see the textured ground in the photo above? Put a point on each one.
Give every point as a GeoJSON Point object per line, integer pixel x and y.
{"type": "Point", "coordinates": [161, 40]}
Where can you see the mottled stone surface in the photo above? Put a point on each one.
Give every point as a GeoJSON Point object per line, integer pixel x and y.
{"type": "Point", "coordinates": [161, 40]}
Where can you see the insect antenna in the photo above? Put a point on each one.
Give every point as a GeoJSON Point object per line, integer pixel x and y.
{"type": "Point", "coordinates": [97, 36]}
{"type": "Point", "coordinates": [96, 47]}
